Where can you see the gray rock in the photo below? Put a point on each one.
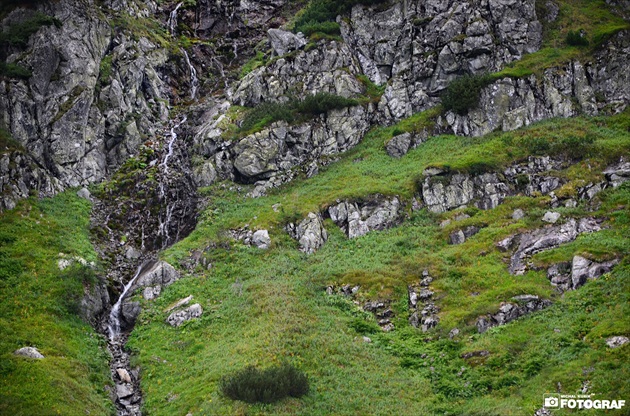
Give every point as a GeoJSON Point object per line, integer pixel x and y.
{"type": "Point", "coordinates": [543, 239]}
{"type": "Point", "coordinates": [584, 269]}
{"type": "Point", "coordinates": [129, 313]}
{"type": "Point", "coordinates": [151, 292]}
{"type": "Point", "coordinates": [453, 333]}
{"type": "Point", "coordinates": [357, 219]}
{"type": "Point", "coordinates": [132, 254]}
{"type": "Point", "coordinates": [182, 302]}
{"type": "Point", "coordinates": [616, 342]}
{"type": "Point", "coordinates": [310, 233]}
{"type": "Point", "coordinates": [511, 311]}
{"type": "Point", "coordinates": [518, 214]}
{"type": "Point", "coordinates": [399, 145]}
{"type": "Point", "coordinates": [159, 273]}
{"type": "Point", "coordinates": [551, 217]}
{"type": "Point", "coordinates": [261, 239]}
{"type": "Point", "coordinates": [123, 375]}
{"type": "Point", "coordinates": [284, 42]}
{"type": "Point", "coordinates": [29, 352]}
{"type": "Point", "coordinates": [178, 318]}
{"type": "Point", "coordinates": [124, 390]}
{"type": "Point", "coordinates": [85, 194]}
{"type": "Point", "coordinates": [457, 237]}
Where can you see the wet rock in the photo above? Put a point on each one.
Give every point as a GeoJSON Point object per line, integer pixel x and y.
{"type": "Point", "coordinates": [310, 233]}
{"type": "Point", "coordinates": [129, 313]}
{"type": "Point", "coordinates": [123, 375]}
{"type": "Point", "coordinates": [29, 352]}
{"type": "Point", "coordinates": [178, 318]}
{"type": "Point", "coordinates": [261, 239]}
{"type": "Point", "coordinates": [616, 342]}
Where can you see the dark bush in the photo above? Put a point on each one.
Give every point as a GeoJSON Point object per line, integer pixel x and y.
{"type": "Point", "coordinates": [252, 385]}
{"type": "Point", "coordinates": [576, 38]}
{"type": "Point", "coordinates": [320, 11]}
{"type": "Point", "coordinates": [293, 110]}
{"type": "Point", "coordinates": [266, 113]}
{"type": "Point", "coordinates": [462, 94]}
{"type": "Point", "coordinates": [363, 327]}
{"type": "Point", "coordinates": [18, 34]}
{"type": "Point", "coordinates": [329, 28]}
{"type": "Point", "coordinates": [323, 102]}
{"type": "Point", "coordinates": [12, 70]}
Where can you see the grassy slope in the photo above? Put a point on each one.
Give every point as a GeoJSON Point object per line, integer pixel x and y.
{"type": "Point", "coordinates": [38, 308]}
{"type": "Point", "coordinates": [262, 307]}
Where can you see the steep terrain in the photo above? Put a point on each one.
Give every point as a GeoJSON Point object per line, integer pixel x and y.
{"type": "Point", "coordinates": [422, 205]}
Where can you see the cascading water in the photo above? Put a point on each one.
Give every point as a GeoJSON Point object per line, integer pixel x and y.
{"type": "Point", "coordinates": [171, 143]}
{"type": "Point", "coordinates": [172, 20]}
{"type": "Point", "coordinates": [113, 325]}
{"type": "Point", "coordinates": [194, 82]}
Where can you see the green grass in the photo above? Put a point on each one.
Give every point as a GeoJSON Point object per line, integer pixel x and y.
{"type": "Point", "coordinates": [263, 308]}
{"type": "Point", "coordinates": [39, 307]}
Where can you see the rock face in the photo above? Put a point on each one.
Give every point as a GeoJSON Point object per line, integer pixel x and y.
{"type": "Point", "coordinates": [417, 48]}
{"type": "Point", "coordinates": [160, 275]}
{"type": "Point", "coordinates": [357, 219]}
{"type": "Point", "coordinates": [79, 115]}
{"type": "Point", "coordinates": [29, 352]}
{"type": "Point", "coordinates": [571, 275]}
{"type": "Point", "coordinates": [310, 233]}
{"type": "Point", "coordinates": [530, 243]}
{"type": "Point", "coordinates": [443, 191]}
{"type": "Point", "coordinates": [509, 311]}
{"type": "Point", "coordinates": [573, 89]}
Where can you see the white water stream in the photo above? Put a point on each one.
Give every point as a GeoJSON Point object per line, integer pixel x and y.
{"type": "Point", "coordinates": [172, 19]}
{"type": "Point", "coordinates": [194, 81]}
{"type": "Point", "coordinates": [114, 315]}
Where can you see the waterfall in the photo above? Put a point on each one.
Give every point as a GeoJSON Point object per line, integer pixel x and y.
{"type": "Point", "coordinates": [194, 82]}
{"type": "Point", "coordinates": [170, 147]}
{"type": "Point", "coordinates": [172, 19]}
{"type": "Point", "coordinates": [114, 316]}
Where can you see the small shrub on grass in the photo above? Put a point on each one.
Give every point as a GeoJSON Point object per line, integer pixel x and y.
{"type": "Point", "coordinates": [252, 385]}
{"type": "Point", "coordinates": [265, 114]}
{"type": "Point", "coordinates": [576, 38]}
{"type": "Point", "coordinates": [463, 93]}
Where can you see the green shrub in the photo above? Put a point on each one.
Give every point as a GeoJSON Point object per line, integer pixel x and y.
{"type": "Point", "coordinates": [322, 102]}
{"type": "Point", "coordinates": [321, 11]}
{"type": "Point", "coordinates": [576, 38]}
{"type": "Point", "coordinates": [18, 34]}
{"type": "Point", "coordinates": [293, 110]}
{"type": "Point", "coordinates": [329, 28]}
{"type": "Point", "coordinates": [462, 94]}
{"type": "Point", "coordinates": [12, 70]}
{"type": "Point", "coordinates": [266, 113]}
{"type": "Point", "coordinates": [363, 327]}
{"type": "Point", "coordinates": [252, 385]}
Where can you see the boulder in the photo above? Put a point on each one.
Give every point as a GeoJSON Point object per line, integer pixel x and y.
{"type": "Point", "coordinates": [583, 269]}
{"type": "Point", "coordinates": [310, 233]}
{"type": "Point", "coordinates": [178, 318]}
{"type": "Point", "coordinates": [29, 352]}
{"type": "Point", "coordinates": [616, 342]}
{"type": "Point", "coordinates": [357, 219]}
{"type": "Point", "coordinates": [261, 239]}
{"type": "Point", "coordinates": [551, 217]}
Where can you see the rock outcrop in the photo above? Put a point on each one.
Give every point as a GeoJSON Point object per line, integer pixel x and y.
{"type": "Point", "coordinates": [310, 233]}
{"type": "Point", "coordinates": [179, 317]}
{"type": "Point", "coordinates": [424, 311]}
{"type": "Point", "coordinates": [527, 244]}
{"type": "Point", "coordinates": [571, 275]}
{"type": "Point", "coordinates": [357, 219]}
{"type": "Point", "coordinates": [29, 352]}
{"type": "Point", "coordinates": [509, 311]}
{"type": "Point", "coordinates": [417, 48]}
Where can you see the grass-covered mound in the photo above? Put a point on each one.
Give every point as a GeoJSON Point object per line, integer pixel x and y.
{"type": "Point", "coordinates": [268, 307]}
{"type": "Point", "coordinates": [39, 306]}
